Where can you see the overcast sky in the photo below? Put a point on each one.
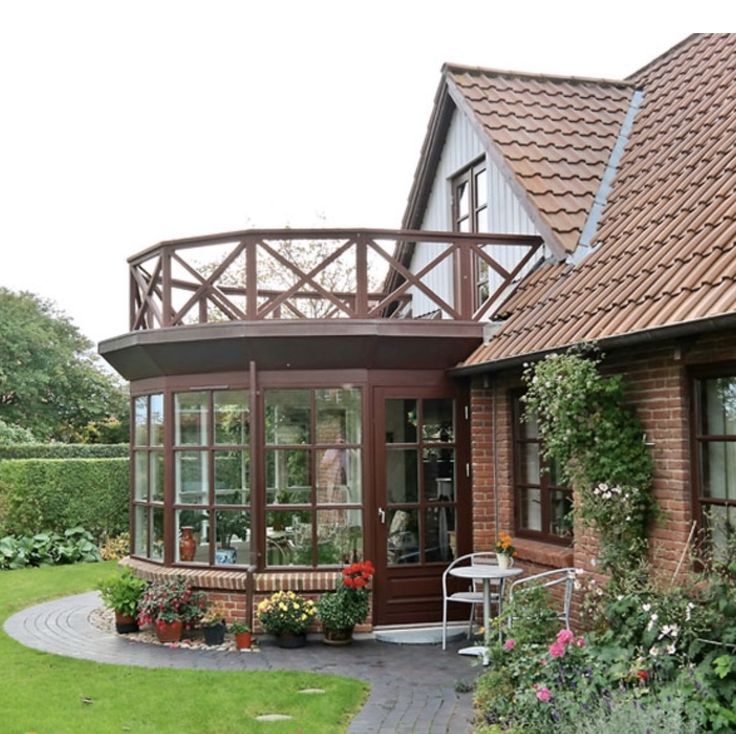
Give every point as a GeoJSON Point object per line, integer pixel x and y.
{"type": "Point", "coordinates": [125, 123]}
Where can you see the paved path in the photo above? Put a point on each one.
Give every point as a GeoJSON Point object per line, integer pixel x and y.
{"type": "Point", "coordinates": [413, 686]}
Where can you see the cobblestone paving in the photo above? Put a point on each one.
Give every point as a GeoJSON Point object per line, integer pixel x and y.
{"type": "Point", "coordinates": [412, 686]}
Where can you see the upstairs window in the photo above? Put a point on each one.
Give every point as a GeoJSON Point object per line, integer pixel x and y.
{"type": "Point", "coordinates": [469, 214]}
{"type": "Point", "coordinates": [714, 490]}
{"type": "Point", "coordinates": [542, 504]}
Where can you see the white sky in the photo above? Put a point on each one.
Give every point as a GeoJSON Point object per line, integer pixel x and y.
{"type": "Point", "coordinates": [125, 123]}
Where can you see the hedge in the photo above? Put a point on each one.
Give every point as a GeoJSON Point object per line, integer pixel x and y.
{"type": "Point", "coordinates": [63, 451]}
{"type": "Point", "coordinates": [56, 494]}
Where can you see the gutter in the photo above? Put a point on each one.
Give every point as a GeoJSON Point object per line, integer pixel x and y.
{"type": "Point", "coordinates": [650, 336]}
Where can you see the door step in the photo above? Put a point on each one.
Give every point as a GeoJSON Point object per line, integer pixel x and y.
{"type": "Point", "coordinates": [418, 634]}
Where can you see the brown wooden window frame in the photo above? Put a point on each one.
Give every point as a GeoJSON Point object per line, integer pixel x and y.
{"type": "Point", "coordinates": [469, 176]}
{"type": "Point", "coordinates": [545, 486]}
{"type": "Point", "coordinates": [697, 439]}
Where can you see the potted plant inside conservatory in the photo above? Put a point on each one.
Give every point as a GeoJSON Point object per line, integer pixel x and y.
{"type": "Point", "coordinates": [243, 635]}
{"type": "Point", "coordinates": [121, 593]}
{"type": "Point", "coordinates": [348, 605]}
{"type": "Point", "coordinates": [287, 616]}
{"type": "Point", "coordinates": [213, 624]}
{"type": "Point", "coordinates": [168, 605]}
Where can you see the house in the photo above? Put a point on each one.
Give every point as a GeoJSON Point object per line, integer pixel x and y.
{"type": "Point", "coordinates": [359, 398]}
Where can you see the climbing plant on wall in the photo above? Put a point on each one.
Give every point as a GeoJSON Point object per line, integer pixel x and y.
{"type": "Point", "coordinates": [593, 435]}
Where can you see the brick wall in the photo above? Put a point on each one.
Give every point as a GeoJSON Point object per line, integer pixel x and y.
{"type": "Point", "coordinates": [657, 384]}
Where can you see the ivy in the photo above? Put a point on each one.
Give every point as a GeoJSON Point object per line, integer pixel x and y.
{"type": "Point", "coordinates": [597, 441]}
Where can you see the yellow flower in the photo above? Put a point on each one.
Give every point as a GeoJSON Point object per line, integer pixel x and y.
{"type": "Point", "coordinates": [296, 606]}
{"type": "Point", "coordinates": [304, 616]}
{"type": "Point", "coordinates": [283, 606]}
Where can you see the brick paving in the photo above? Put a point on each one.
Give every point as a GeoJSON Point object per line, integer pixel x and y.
{"type": "Point", "coordinates": [412, 686]}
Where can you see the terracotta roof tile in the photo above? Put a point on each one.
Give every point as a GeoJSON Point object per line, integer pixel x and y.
{"type": "Point", "coordinates": [555, 134]}
{"type": "Point", "coordinates": [666, 245]}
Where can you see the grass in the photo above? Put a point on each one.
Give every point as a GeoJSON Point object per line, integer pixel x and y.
{"type": "Point", "coordinates": [43, 694]}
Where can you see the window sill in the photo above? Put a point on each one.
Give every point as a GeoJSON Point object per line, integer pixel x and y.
{"type": "Point", "coordinates": [543, 554]}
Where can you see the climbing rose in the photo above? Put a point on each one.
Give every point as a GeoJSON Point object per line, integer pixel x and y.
{"type": "Point", "coordinates": [556, 649]}
{"type": "Point", "coordinates": [564, 637]}
{"type": "Point", "coordinates": [509, 644]}
{"type": "Point", "coordinates": [543, 694]}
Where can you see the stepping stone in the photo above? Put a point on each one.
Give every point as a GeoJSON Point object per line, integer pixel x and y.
{"type": "Point", "coordinates": [312, 690]}
{"type": "Point", "coordinates": [274, 717]}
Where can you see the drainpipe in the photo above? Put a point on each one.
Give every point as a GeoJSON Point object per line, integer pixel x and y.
{"type": "Point", "coordinates": [494, 454]}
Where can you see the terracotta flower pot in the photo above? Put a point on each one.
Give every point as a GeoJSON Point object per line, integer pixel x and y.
{"type": "Point", "coordinates": [168, 631]}
{"type": "Point", "coordinates": [338, 637]}
{"type": "Point", "coordinates": [244, 640]}
{"type": "Point", "coordinates": [124, 624]}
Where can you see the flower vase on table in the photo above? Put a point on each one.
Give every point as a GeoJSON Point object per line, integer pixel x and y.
{"type": "Point", "coordinates": [504, 551]}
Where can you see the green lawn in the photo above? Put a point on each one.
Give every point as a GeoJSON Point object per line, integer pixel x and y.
{"type": "Point", "coordinates": [42, 694]}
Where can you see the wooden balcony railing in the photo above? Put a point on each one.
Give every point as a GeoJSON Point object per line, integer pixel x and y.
{"type": "Point", "coordinates": [322, 274]}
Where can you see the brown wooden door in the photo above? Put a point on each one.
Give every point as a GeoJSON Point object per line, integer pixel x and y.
{"type": "Point", "coordinates": [423, 499]}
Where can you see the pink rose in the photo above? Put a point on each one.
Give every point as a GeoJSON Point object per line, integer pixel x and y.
{"type": "Point", "coordinates": [509, 644]}
{"type": "Point", "coordinates": [543, 694]}
{"type": "Point", "coordinates": [565, 636]}
{"type": "Point", "coordinates": [580, 642]}
{"type": "Point", "coordinates": [556, 649]}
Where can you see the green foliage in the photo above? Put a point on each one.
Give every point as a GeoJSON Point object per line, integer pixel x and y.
{"type": "Point", "coordinates": [12, 434]}
{"type": "Point", "coordinates": [171, 600]}
{"type": "Point", "coordinates": [64, 451]}
{"type": "Point", "coordinates": [116, 547]}
{"type": "Point", "coordinates": [343, 608]}
{"type": "Point", "coordinates": [48, 549]}
{"type": "Point", "coordinates": [58, 493]}
{"type": "Point", "coordinates": [122, 592]}
{"type": "Point", "coordinates": [51, 382]}
{"type": "Point", "coordinates": [595, 438]}
{"type": "Point", "coordinates": [238, 628]}
{"type": "Point", "coordinates": [528, 617]}
{"type": "Point", "coordinates": [286, 611]}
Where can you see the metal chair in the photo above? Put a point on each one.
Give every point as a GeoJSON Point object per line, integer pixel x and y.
{"type": "Point", "coordinates": [547, 580]}
{"type": "Point", "coordinates": [473, 595]}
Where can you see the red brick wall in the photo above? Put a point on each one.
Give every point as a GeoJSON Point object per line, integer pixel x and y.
{"type": "Point", "coordinates": [657, 384]}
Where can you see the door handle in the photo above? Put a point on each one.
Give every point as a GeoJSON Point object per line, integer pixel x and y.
{"type": "Point", "coordinates": [382, 515]}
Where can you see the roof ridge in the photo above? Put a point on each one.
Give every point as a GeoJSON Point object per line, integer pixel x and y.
{"type": "Point", "coordinates": [452, 67]}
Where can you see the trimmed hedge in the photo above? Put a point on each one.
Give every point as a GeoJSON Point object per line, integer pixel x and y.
{"type": "Point", "coordinates": [55, 494]}
{"type": "Point", "coordinates": [64, 451]}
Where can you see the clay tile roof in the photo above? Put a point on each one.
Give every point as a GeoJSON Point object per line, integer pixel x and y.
{"type": "Point", "coordinates": [665, 248]}
{"type": "Point", "coordinates": [555, 135]}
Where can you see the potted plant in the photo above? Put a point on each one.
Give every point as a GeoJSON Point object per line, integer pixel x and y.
{"type": "Point", "coordinates": [504, 550]}
{"type": "Point", "coordinates": [243, 635]}
{"type": "Point", "coordinates": [122, 593]}
{"type": "Point", "coordinates": [213, 624]}
{"type": "Point", "coordinates": [168, 604]}
{"type": "Point", "coordinates": [348, 605]}
{"type": "Point", "coordinates": [287, 616]}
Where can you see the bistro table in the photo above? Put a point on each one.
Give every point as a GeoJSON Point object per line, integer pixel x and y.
{"type": "Point", "coordinates": [485, 572]}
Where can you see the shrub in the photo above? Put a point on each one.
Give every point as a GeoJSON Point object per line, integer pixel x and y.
{"type": "Point", "coordinates": [64, 451]}
{"type": "Point", "coordinates": [60, 493]}
{"type": "Point", "coordinates": [172, 600]}
{"type": "Point", "coordinates": [286, 611]}
{"type": "Point", "coordinates": [46, 549]}
{"type": "Point", "coordinates": [123, 592]}
{"type": "Point", "coordinates": [348, 605]}
{"type": "Point", "coordinates": [115, 548]}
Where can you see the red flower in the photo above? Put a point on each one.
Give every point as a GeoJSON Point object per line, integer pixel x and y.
{"type": "Point", "coordinates": [642, 675]}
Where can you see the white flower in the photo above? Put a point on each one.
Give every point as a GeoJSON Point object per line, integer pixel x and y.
{"type": "Point", "coordinates": [671, 649]}
{"type": "Point", "coordinates": [619, 597]}
{"type": "Point", "coordinates": [653, 651]}
{"type": "Point", "coordinates": [646, 607]}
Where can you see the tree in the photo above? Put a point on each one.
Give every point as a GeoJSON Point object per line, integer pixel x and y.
{"type": "Point", "coordinates": [51, 382]}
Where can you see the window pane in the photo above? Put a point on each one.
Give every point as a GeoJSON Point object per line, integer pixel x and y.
{"type": "Point", "coordinates": [289, 538]}
{"type": "Point", "coordinates": [140, 541]}
{"type": "Point", "coordinates": [157, 534]}
{"type": "Point", "coordinates": [157, 420]}
{"type": "Point", "coordinates": [718, 397]}
{"type": "Point", "coordinates": [401, 475]}
{"type": "Point", "coordinates": [194, 524]}
{"type": "Point", "coordinates": [191, 419]}
{"type": "Point", "coordinates": [338, 416]}
{"type": "Point", "coordinates": [481, 219]}
{"type": "Point", "coordinates": [401, 421]}
{"type": "Point", "coordinates": [232, 417]}
{"type": "Point", "coordinates": [157, 475]}
{"type": "Point", "coordinates": [140, 410]}
{"type": "Point", "coordinates": [287, 416]}
{"type": "Point", "coordinates": [561, 513]}
{"type": "Point", "coordinates": [439, 475]}
{"type": "Point", "coordinates": [529, 463]}
{"type": "Point", "coordinates": [287, 477]}
{"type": "Point", "coordinates": [141, 475]}
{"type": "Point", "coordinates": [718, 467]}
{"type": "Point", "coordinates": [462, 194]}
{"type": "Point", "coordinates": [438, 420]}
{"type": "Point", "coordinates": [530, 515]}
{"type": "Point", "coordinates": [439, 531]}
{"type": "Point", "coordinates": [339, 476]}
{"type": "Point", "coordinates": [464, 225]}
{"type": "Point", "coordinates": [402, 544]}
{"type": "Point", "coordinates": [481, 189]}
{"type": "Point", "coordinates": [191, 477]}
{"type": "Point", "coordinates": [232, 529]}
{"type": "Point", "coordinates": [231, 478]}
{"type": "Point", "coordinates": [339, 536]}
{"type": "Point", "coordinates": [530, 427]}
{"type": "Point", "coordinates": [720, 522]}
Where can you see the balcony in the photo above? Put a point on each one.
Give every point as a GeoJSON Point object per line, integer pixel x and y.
{"type": "Point", "coordinates": [282, 297]}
